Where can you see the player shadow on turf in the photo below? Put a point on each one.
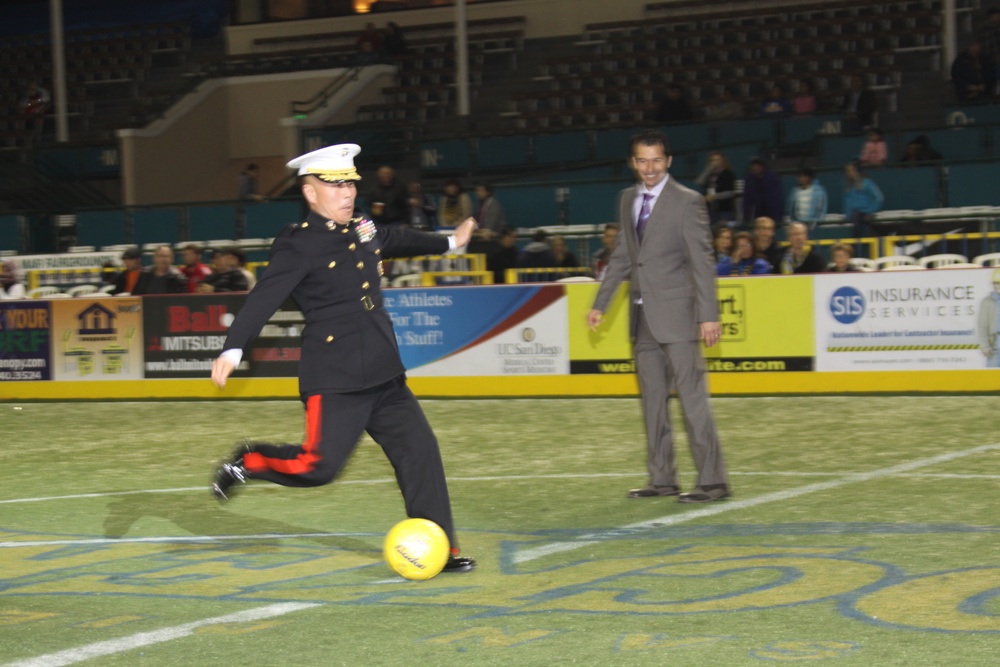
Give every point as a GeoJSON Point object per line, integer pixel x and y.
{"type": "Point", "coordinates": [201, 518]}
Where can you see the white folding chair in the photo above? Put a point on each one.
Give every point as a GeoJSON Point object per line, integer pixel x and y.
{"type": "Point", "coordinates": [989, 259]}
{"type": "Point", "coordinates": [942, 259]}
{"type": "Point", "coordinates": [43, 292]}
{"type": "Point", "coordinates": [81, 290]}
{"type": "Point", "coordinates": [882, 263]}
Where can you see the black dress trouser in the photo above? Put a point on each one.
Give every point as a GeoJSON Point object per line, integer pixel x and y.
{"type": "Point", "coordinates": [393, 418]}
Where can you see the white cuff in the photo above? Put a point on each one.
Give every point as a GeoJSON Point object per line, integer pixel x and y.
{"type": "Point", "coordinates": [451, 242]}
{"type": "Point", "coordinates": [234, 356]}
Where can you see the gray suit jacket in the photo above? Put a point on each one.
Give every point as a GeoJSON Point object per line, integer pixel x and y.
{"type": "Point", "coordinates": [673, 270]}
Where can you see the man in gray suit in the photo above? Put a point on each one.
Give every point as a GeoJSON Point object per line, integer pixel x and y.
{"type": "Point", "coordinates": [665, 251]}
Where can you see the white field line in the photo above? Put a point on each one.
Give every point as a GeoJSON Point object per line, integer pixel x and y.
{"type": "Point", "coordinates": [110, 647]}
{"type": "Point", "coordinates": [730, 506]}
{"type": "Point", "coordinates": [492, 478]}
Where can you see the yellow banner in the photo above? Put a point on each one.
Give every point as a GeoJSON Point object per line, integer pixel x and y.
{"type": "Point", "coordinates": [767, 325]}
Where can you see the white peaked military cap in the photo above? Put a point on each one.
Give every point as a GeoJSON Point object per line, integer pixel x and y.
{"type": "Point", "coordinates": [333, 164]}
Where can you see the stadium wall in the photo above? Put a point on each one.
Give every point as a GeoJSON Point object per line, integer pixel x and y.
{"type": "Point", "coordinates": [900, 332]}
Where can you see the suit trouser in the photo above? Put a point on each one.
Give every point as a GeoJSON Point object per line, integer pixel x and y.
{"type": "Point", "coordinates": [661, 367]}
{"type": "Point", "coordinates": [393, 418]}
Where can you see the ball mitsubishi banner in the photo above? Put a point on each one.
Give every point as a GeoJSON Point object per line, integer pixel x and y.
{"type": "Point", "coordinates": [185, 333]}
{"type": "Point", "coordinates": [907, 320]}
{"type": "Point", "coordinates": [481, 331]}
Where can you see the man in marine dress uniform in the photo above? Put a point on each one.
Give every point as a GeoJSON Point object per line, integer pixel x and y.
{"type": "Point", "coordinates": [351, 377]}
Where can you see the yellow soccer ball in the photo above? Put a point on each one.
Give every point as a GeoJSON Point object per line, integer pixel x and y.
{"type": "Point", "coordinates": [416, 549]}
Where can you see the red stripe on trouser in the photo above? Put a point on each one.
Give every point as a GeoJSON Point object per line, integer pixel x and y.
{"type": "Point", "coordinates": [309, 456]}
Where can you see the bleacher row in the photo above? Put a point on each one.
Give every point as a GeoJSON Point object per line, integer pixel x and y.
{"type": "Point", "coordinates": [100, 64]}
{"type": "Point", "coordinates": [621, 69]}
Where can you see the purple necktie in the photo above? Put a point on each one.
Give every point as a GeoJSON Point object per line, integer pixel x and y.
{"type": "Point", "coordinates": [640, 225]}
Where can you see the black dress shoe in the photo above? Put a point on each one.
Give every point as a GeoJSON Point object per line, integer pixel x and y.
{"type": "Point", "coordinates": [705, 494]}
{"type": "Point", "coordinates": [652, 491]}
{"type": "Point", "coordinates": [459, 564]}
{"type": "Point", "coordinates": [226, 476]}
{"type": "Point", "coordinates": [230, 472]}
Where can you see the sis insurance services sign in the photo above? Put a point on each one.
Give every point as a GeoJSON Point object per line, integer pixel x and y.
{"type": "Point", "coordinates": [907, 320]}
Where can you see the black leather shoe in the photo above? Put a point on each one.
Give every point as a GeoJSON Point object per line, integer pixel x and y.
{"type": "Point", "coordinates": [651, 491]}
{"type": "Point", "coordinates": [459, 564]}
{"type": "Point", "coordinates": [226, 476]}
{"type": "Point", "coordinates": [229, 473]}
{"type": "Point", "coordinates": [705, 495]}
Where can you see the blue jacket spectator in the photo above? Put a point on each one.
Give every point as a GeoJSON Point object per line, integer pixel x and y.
{"type": "Point", "coordinates": [808, 202]}
{"type": "Point", "coordinates": [763, 195]}
{"type": "Point", "coordinates": [862, 199]}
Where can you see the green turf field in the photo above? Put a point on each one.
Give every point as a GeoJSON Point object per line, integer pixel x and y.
{"type": "Point", "coordinates": [863, 532]}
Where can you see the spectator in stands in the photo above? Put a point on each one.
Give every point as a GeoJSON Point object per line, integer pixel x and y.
{"type": "Point", "coordinates": [841, 254]}
{"type": "Point", "coordinates": [608, 240]}
{"type": "Point", "coordinates": [874, 152]}
{"type": "Point", "coordinates": [764, 241]}
{"type": "Point", "coordinates": [800, 257]}
{"type": "Point", "coordinates": [11, 286]}
{"type": "Point", "coordinates": [390, 202]}
{"type": "Point", "coordinates": [537, 254]}
{"type": "Point", "coordinates": [368, 45]}
{"type": "Point", "coordinates": [561, 254]}
{"type": "Point", "coordinates": [455, 205]}
{"type": "Point", "coordinates": [226, 275]}
{"type": "Point", "coordinates": [972, 75]}
{"type": "Point", "coordinates": [489, 213]}
{"type": "Point", "coordinates": [804, 102]}
{"type": "Point", "coordinates": [422, 207]}
{"type": "Point", "coordinates": [241, 264]}
{"type": "Point", "coordinates": [775, 104]}
{"type": "Point", "coordinates": [194, 269]}
{"type": "Point", "coordinates": [862, 199]}
{"type": "Point", "coordinates": [127, 278]}
{"type": "Point", "coordinates": [249, 186]}
{"type": "Point", "coordinates": [988, 324]}
{"type": "Point", "coordinates": [729, 108]}
{"type": "Point", "coordinates": [33, 105]}
{"type": "Point", "coordinates": [394, 43]}
{"type": "Point", "coordinates": [989, 39]}
{"type": "Point", "coordinates": [722, 241]}
{"type": "Point", "coordinates": [807, 203]}
{"type": "Point", "coordinates": [718, 183]}
{"type": "Point", "coordinates": [919, 150]}
{"type": "Point", "coordinates": [763, 195]}
{"type": "Point", "coordinates": [504, 255]}
{"type": "Point", "coordinates": [674, 108]}
{"type": "Point", "coordinates": [162, 277]}
{"type": "Point", "coordinates": [859, 105]}
{"type": "Point", "coordinates": [744, 260]}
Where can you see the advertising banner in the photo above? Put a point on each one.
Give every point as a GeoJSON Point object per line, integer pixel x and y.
{"type": "Point", "coordinates": [907, 320]}
{"type": "Point", "coordinates": [184, 334]}
{"type": "Point", "coordinates": [25, 346]}
{"type": "Point", "coordinates": [97, 338]}
{"type": "Point", "coordinates": [766, 327]}
{"type": "Point", "coordinates": [484, 331]}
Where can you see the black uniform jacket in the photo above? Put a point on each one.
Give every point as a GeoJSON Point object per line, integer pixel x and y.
{"type": "Point", "coordinates": [333, 272]}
